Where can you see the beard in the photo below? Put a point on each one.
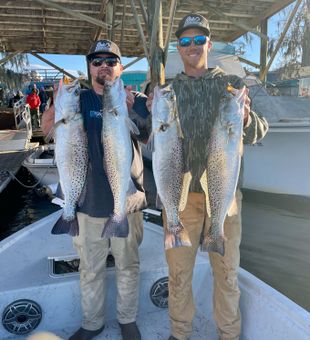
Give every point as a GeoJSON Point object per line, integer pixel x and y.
{"type": "Point", "coordinates": [102, 77]}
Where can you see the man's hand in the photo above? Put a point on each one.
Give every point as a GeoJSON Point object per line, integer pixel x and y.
{"type": "Point", "coordinates": [130, 99]}
{"type": "Point", "coordinates": [247, 102]}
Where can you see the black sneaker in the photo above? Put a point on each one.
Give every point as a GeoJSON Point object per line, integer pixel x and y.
{"type": "Point", "coordinates": [130, 331]}
{"type": "Point", "coordinates": [85, 334]}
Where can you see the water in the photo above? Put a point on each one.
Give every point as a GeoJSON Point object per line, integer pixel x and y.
{"type": "Point", "coordinates": [21, 206]}
{"type": "Point", "coordinates": [275, 238]}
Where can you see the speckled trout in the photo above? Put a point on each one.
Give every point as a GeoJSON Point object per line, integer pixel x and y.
{"type": "Point", "coordinates": [70, 153]}
{"type": "Point", "coordinates": [168, 166]}
{"type": "Point", "coordinates": [117, 148]}
{"type": "Point", "coordinates": [223, 167]}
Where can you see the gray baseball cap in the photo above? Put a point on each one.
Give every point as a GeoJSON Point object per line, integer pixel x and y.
{"type": "Point", "coordinates": [193, 20]}
{"type": "Point", "coordinates": [103, 46]}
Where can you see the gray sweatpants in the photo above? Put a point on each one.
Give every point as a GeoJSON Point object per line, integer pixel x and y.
{"type": "Point", "coordinates": [93, 251]}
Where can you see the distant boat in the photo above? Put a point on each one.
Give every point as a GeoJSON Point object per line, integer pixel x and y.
{"type": "Point", "coordinates": [15, 136]}
{"type": "Point", "coordinates": [40, 291]}
{"type": "Point", "coordinates": [42, 165]}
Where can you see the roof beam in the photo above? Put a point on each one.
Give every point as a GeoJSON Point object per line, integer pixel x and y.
{"type": "Point", "coordinates": [59, 69]}
{"type": "Point", "coordinates": [9, 56]}
{"type": "Point", "coordinates": [235, 22]}
{"type": "Point", "coordinates": [278, 6]}
{"type": "Point", "coordinates": [100, 17]}
{"type": "Point", "coordinates": [274, 53]}
{"type": "Point", "coordinates": [50, 3]}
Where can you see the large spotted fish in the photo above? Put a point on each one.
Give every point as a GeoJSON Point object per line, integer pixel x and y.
{"type": "Point", "coordinates": [223, 166]}
{"type": "Point", "coordinates": [117, 146]}
{"type": "Point", "coordinates": [168, 165]}
{"type": "Point", "coordinates": [70, 153]}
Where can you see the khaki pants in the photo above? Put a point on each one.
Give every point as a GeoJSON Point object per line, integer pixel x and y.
{"type": "Point", "coordinates": [181, 262]}
{"type": "Point", "coordinates": [93, 251]}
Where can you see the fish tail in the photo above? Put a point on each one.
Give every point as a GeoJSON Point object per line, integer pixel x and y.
{"type": "Point", "coordinates": [177, 236]}
{"type": "Point", "coordinates": [116, 227]}
{"type": "Point", "coordinates": [214, 243]}
{"type": "Point", "coordinates": [63, 226]}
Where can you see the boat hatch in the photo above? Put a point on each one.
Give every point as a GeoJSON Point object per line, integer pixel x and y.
{"type": "Point", "coordinates": [68, 265]}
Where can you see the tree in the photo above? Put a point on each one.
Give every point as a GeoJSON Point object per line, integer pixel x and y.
{"type": "Point", "coordinates": [10, 71]}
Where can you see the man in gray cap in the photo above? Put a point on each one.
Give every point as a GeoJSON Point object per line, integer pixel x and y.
{"type": "Point", "coordinates": [199, 90]}
{"type": "Point", "coordinates": [105, 64]}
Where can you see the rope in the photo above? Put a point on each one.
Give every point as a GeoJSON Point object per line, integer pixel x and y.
{"type": "Point", "coordinates": [25, 185]}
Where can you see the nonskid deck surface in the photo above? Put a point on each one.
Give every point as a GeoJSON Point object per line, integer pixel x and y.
{"type": "Point", "coordinates": [155, 326]}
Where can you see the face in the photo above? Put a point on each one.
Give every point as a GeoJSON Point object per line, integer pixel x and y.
{"type": "Point", "coordinates": [104, 72]}
{"type": "Point", "coordinates": [194, 56]}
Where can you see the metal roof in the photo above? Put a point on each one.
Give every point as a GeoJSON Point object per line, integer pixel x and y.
{"type": "Point", "coordinates": [40, 26]}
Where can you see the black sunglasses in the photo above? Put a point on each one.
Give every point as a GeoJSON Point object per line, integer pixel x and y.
{"type": "Point", "coordinates": [198, 40]}
{"type": "Point", "coordinates": [109, 61]}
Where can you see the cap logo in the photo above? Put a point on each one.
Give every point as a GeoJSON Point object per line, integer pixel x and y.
{"type": "Point", "coordinates": [101, 45]}
{"type": "Point", "coordinates": [192, 20]}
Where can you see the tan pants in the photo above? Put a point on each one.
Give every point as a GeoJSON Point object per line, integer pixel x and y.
{"type": "Point", "coordinates": [93, 252]}
{"type": "Point", "coordinates": [181, 262]}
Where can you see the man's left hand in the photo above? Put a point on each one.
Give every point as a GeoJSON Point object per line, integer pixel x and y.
{"type": "Point", "coordinates": [130, 97]}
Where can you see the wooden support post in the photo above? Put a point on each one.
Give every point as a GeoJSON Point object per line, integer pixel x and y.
{"type": "Point", "coordinates": [173, 7]}
{"type": "Point", "coordinates": [144, 14]}
{"type": "Point", "coordinates": [113, 21]}
{"type": "Point", "coordinates": [123, 25]}
{"type": "Point", "coordinates": [263, 50]}
{"type": "Point", "coordinates": [157, 56]}
{"type": "Point", "coordinates": [140, 29]}
{"type": "Point", "coordinates": [100, 17]}
{"type": "Point", "coordinates": [286, 27]}
{"type": "Point", "coordinates": [59, 69]}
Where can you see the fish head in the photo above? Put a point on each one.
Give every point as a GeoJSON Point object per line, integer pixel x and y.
{"type": "Point", "coordinates": [232, 106]}
{"type": "Point", "coordinates": [67, 102]}
{"type": "Point", "coordinates": [164, 108]}
{"type": "Point", "coordinates": [114, 97]}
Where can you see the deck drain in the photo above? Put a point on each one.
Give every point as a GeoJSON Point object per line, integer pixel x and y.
{"type": "Point", "coordinates": [159, 292]}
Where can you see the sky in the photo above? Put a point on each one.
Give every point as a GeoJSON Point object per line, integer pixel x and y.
{"type": "Point", "coordinates": [74, 63]}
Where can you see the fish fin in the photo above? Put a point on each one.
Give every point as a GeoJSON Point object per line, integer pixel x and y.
{"type": "Point", "coordinates": [150, 143]}
{"type": "Point", "coordinates": [50, 135]}
{"type": "Point", "coordinates": [63, 226]}
{"type": "Point", "coordinates": [132, 126]}
{"type": "Point", "coordinates": [159, 204]}
{"type": "Point", "coordinates": [204, 184]}
{"type": "Point", "coordinates": [131, 188]}
{"type": "Point", "coordinates": [187, 178]}
{"type": "Point", "coordinates": [214, 244]}
{"type": "Point", "coordinates": [179, 130]}
{"type": "Point", "coordinates": [179, 239]}
{"type": "Point", "coordinates": [115, 227]}
{"type": "Point", "coordinates": [233, 209]}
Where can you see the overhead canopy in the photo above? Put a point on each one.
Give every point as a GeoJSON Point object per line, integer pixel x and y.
{"type": "Point", "coordinates": [69, 26]}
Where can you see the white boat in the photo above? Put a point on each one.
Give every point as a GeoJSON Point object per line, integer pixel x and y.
{"type": "Point", "coordinates": [34, 297]}
{"type": "Point", "coordinates": [280, 162]}
{"type": "Point", "coordinates": [42, 165]}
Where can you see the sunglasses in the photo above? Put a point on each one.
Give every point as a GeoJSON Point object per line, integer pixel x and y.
{"type": "Point", "coordinates": [109, 61]}
{"type": "Point", "coordinates": [198, 40]}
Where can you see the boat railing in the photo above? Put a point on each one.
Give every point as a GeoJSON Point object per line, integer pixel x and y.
{"type": "Point", "coordinates": [22, 117]}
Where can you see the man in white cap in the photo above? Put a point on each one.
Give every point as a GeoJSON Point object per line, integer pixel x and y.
{"type": "Point", "coordinates": [198, 90]}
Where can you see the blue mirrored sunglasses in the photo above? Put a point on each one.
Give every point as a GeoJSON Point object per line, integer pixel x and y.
{"type": "Point", "coordinates": [198, 40]}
